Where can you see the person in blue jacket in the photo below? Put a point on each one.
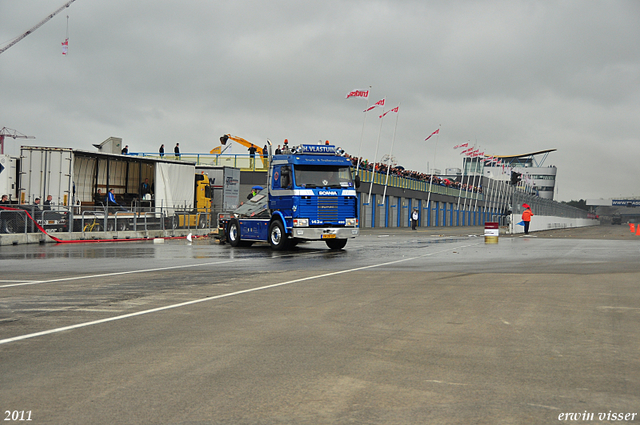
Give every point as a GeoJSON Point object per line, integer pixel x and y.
{"type": "Point", "coordinates": [111, 200]}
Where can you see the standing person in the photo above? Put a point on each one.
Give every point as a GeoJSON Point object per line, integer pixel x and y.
{"type": "Point", "coordinates": [414, 219]}
{"type": "Point", "coordinates": [3, 221]}
{"type": "Point", "coordinates": [145, 188]}
{"type": "Point", "coordinates": [285, 148]}
{"type": "Point", "coordinates": [253, 193]}
{"type": "Point", "coordinates": [278, 151]}
{"type": "Point", "coordinates": [252, 156]}
{"type": "Point", "coordinates": [161, 151]}
{"type": "Point", "coordinates": [176, 150]}
{"type": "Point", "coordinates": [47, 203]}
{"type": "Point", "coordinates": [125, 150]}
{"type": "Point", "coordinates": [526, 218]}
{"type": "Point", "coordinates": [37, 203]}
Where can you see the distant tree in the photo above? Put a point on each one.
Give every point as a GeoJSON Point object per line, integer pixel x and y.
{"type": "Point", "coordinates": [582, 204]}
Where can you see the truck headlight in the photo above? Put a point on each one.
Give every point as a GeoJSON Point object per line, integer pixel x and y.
{"type": "Point", "coordinates": [300, 222]}
{"type": "Point", "coordinates": [351, 222]}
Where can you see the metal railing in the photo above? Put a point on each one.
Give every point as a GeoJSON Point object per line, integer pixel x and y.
{"type": "Point", "coordinates": [242, 161]}
{"type": "Point", "coordinates": [90, 219]}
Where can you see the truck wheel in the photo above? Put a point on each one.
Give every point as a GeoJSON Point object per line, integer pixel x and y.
{"type": "Point", "coordinates": [11, 226]}
{"type": "Point", "coordinates": [233, 232]}
{"type": "Point", "coordinates": [278, 236]}
{"type": "Point", "coordinates": [336, 243]}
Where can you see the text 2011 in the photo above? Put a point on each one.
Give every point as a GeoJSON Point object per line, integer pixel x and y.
{"type": "Point", "coordinates": [17, 415]}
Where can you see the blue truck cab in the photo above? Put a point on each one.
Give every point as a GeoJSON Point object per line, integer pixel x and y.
{"type": "Point", "coordinates": [310, 196]}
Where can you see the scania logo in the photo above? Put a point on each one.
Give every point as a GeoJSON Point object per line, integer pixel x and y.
{"type": "Point", "coordinates": [328, 192]}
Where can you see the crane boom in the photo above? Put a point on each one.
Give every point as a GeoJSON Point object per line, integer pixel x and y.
{"type": "Point", "coordinates": [9, 132]}
{"type": "Point", "coordinates": [240, 140]}
{"type": "Point", "coordinates": [41, 23]}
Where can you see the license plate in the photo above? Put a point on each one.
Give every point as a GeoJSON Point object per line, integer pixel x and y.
{"type": "Point", "coordinates": [328, 236]}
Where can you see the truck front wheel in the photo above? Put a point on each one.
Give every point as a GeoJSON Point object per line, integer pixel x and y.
{"type": "Point", "coordinates": [336, 243]}
{"type": "Point", "coordinates": [233, 233]}
{"type": "Point", "coordinates": [278, 236]}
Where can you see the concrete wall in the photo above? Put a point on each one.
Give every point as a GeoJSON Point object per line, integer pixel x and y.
{"type": "Point", "coordinates": [541, 222]}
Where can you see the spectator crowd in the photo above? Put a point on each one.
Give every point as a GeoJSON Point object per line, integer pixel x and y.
{"type": "Point", "coordinates": [400, 171]}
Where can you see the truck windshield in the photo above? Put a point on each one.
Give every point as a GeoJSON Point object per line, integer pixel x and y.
{"type": "Point", "coordinates": [311, 176]}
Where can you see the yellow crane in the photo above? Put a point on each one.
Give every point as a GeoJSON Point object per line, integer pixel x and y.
{"type": "Point", "coordinates": [226, 137]}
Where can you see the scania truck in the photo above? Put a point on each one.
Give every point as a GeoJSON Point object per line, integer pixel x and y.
{"type": "Point", "coordinates": [310, 196]}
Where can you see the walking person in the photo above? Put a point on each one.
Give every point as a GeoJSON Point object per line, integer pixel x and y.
{"type": "Point", "coordinates": [526, 217]}
{"type": "Point", "coordinates": [176, 150]}
{"type": "Point", "coordinates": [414, 219]}
{"type": "Point", "coordinates": [161, 151]}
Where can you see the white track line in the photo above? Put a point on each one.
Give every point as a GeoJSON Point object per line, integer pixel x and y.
{"type": "Point", "coordinates": [201, 300]}
{"type": "Point", "coordinates": [66, 279]}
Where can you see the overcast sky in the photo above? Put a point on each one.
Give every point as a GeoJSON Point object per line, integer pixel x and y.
{"type": "Point", "coordinates": [512, 76]}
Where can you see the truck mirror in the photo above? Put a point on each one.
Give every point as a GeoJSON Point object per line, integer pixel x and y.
{"type": "Point", "coordinates": [357, 181]}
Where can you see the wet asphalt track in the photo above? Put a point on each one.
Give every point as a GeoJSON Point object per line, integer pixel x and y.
{"type": "Point", "coordinates": [401, 327]}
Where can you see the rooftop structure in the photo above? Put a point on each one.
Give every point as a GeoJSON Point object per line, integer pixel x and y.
{"type": "Point", "coordinates": [535, 176]}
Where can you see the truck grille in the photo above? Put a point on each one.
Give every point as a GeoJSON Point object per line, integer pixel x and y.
{"type": "Point", "coordinates": [329, 209]}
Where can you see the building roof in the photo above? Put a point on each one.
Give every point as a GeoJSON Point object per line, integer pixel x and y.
{"type": "Point", "coordinates": [524, 155]}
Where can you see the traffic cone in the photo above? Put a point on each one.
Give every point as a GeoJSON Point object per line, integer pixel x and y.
{"type": "Point", "coordinates": [632, 227]}
{"type": "Point", "coordinates": [638, 230]}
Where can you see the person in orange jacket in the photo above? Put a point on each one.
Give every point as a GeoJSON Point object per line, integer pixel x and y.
{"type": "Point", "coordinates": [526, 218]}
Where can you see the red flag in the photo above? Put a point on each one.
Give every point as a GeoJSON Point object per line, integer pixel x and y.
{"type": "Point", "coordinates": [379, 103]}
{"type": "Point", "coordinates": [65, 46]}
{"type": "Point", "coordinates": [390, 110]}
{"type": "Point", "coordinates": [464, 145]}
{"type": "Point", "coordinates": [435, 132]}
{"type": "Point", "coordinates": [364, 94]}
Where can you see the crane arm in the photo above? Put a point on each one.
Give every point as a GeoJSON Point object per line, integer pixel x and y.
{"type": "Point", "coordinates": [41, 23]}
{"type": "Point", "coordinates": [237, 139]}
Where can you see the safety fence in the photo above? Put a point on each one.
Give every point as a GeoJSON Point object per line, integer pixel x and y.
{"type": "Point", "coordinates": [24, 219]}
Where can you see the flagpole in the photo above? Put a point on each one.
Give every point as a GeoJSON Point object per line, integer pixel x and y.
{"type": "Point", "coordinates": [460, 194]}
{"type": "Point", "coordinates": [468, 175]}
{"type": "Point", "coordinates": [475, 205]}
{"type": "Point", "coordinates": [374, 159]}
{"type": "Point", "coordinates": [362, 133]}
{"type": "Point", "coordinates": [489, 201]}
{"type": "Point", "coordinates": [503, 196]}
{"type": "Point", "coordinates": [491, 194]}
{"type": "Point", "coordinates": [435, 152]}
{"type": "Point", "coordinates": [384, 193]}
